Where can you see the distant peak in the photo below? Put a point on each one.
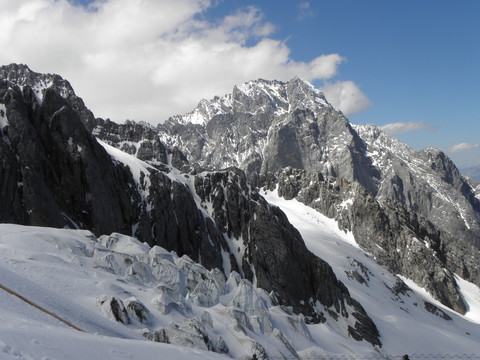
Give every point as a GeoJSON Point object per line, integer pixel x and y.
{"type": "Point", "coordinates": [271, 97]}
{"type": "Point", "coordinates": [298, 79]}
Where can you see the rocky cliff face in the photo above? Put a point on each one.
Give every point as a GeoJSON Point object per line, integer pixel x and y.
{"type": "Point", "coordinates": [54, 173]}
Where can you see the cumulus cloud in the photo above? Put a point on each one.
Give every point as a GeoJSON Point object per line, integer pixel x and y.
{"type": "Point", "coordinates": [462, 147]}
{"type": "Point", "coordinates": [346, 96]}
{"type": "Point", "coordinates": [150, 59]}
{"type": "Point", "coordinates": [398, 128]}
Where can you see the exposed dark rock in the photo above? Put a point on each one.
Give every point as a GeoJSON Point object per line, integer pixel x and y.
{"type": "Point", "coordinates": [137, 310]}
{"type": "Point", "coordinates": [191, 333]}
{"type": "Point", "coordinates": [436, 311]}
{"type": "Point", "coordinates": [63, 176]}
{"type": "Point", "coordinates": [113, 308]}
{"type": "Point", "coordinates": [157, 336]}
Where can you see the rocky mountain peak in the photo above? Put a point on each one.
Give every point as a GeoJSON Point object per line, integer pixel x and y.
{"type": "Point", "coordinates": [265, 125]}
{"type": "Point", "coordinates": [271, 97]}
{"type": "Point", "coordinates": [22, 76]}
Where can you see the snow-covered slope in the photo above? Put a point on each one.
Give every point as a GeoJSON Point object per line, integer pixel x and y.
{"type": "Point", "coordinates": [400, 312]}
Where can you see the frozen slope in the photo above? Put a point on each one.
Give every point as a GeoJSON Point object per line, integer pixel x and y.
{"type": "Point", "coordinates": [399, 313]}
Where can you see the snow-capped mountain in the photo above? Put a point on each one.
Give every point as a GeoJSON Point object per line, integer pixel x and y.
{"type": "Point", "coordinates": [57, 174]}
{"type": "Point", "coordinates": [229, 245]}
{"type": "Point", "coordinates": [264, 127]}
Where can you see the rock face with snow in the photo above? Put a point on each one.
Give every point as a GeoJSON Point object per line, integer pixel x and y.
{"type": "Point", "coordinates": [265, 127]}
{"type": "Point", "coordinates": [55, 173]}
{"type": "Point", "coordinates": [403, 241]}
{"type": "Point", "coordinates": [192, 186]}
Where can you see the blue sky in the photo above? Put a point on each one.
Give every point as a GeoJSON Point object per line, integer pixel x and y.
{"type": "Point", "coordinates": [411, 63]}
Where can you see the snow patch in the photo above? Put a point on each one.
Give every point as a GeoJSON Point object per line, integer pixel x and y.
{"type": "Point", "coordinates": [3, 116]}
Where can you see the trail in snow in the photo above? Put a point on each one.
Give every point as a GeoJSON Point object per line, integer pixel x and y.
{"type": "Point", "coordinates": [31, 303]}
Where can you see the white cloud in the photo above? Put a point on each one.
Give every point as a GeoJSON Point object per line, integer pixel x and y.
{"type": "Point", "coordinates": [305, 10]}
{"type": "Point", "coordinates": [346, 96]}
{"type": "Point", "coordinates": [150, 59]}
{"type": "Point", "coordinates": [398, 128]}
{"type": "Point", "coordinates": [464, 154]}
{"type": "Point", "coordinates": [462, 147]}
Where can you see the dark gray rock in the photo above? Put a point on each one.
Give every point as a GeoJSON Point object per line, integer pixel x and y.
{"type": "Point", "coordinates": [139, 139]}
{"type": "Point", "coordinates": [191, 333]}
{"type": "Point", "coordinates": [436, 311]}
{"type": "Point", "coordinates": [63, 176]}
{"type": "Point", "coordinates": [113, 308]}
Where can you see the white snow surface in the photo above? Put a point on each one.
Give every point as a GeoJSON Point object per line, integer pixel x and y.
{"type": "Point", "coordinates": [405, 326]}
{"type": "Point", "coordinates": [55, 269]}
{"type": "Point", "coordinates": [67, 271]}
